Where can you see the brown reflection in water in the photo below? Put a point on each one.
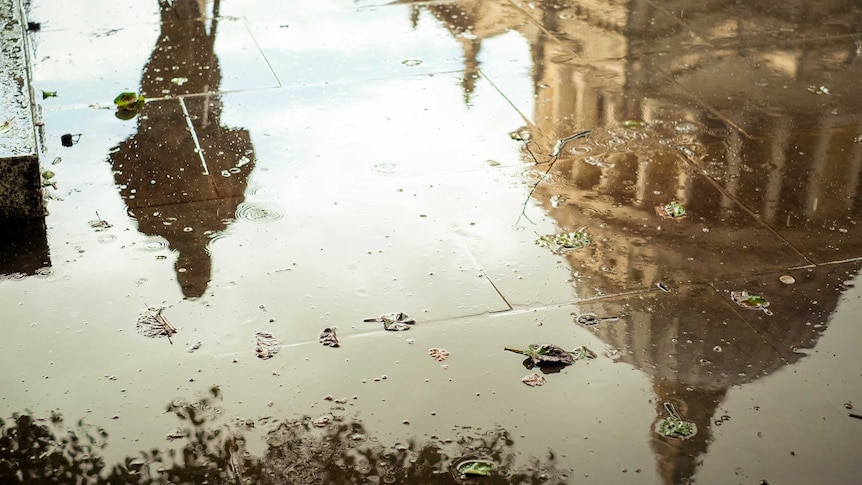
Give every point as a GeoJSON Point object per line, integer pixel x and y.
{"type": "Point", "coordinates": [214, 450]}
{"type": "Point", "coordinates": [172, 188]}
{"type": "Point", "coordinates": [23, 247]}
{"type": "Point", "coordinates": [596, 65]}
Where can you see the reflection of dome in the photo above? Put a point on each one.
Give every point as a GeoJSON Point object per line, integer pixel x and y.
{"type": "Point", "coordinates": [590, 72]}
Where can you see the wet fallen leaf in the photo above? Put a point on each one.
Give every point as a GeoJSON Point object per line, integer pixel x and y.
{"type": "Point", "coordinates": [128, 105]}
{"type": "Point", "coordinates": [476, 467]}
{"type": "Point", "coordinates": [328, 337]}
{"type": "Point", "coordinates": [672, 210]}
{"type": "Point", "coordinates": [267, 345]}
{"type": "Point", "coordinates": [48, 94]}
{"type": "Point", "coordinates": [394, 322]}
{"type": "Point", "coordinates": [438, 354]}
{"type": "Point", "coordinates": [633, 123]}
{"type": "Point", "coordinates": [545, 354]}
{"type": "Point", "coordinates": [534, 380]}
{"type": "Point", "coordinates": [674, 426]}
{"type": "Point", "coordinates": [750, 301]}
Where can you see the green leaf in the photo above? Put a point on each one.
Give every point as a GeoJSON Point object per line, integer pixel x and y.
{"type": "Point", "coordinates": [48, 94]}
{"type": "Point", "coordinates": [476, 467]}
{"type": "Point", "coordinates": [570, 240]}
{"type": "Point", "coordinates": [129, 101]}
{"type": "Point", "coordinates": [633, 123]}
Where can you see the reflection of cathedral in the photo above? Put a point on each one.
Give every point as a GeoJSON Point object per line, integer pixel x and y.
{"type": "Point", "coordinates": [182, 175]}
{"type": "Point", "coordinates": [728, 106]}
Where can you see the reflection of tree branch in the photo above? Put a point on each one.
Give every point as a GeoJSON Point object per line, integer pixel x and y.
{"type": "Point", "coordinates": [552, 159]}
{"type": "Point", "coordinates": [297, 452]}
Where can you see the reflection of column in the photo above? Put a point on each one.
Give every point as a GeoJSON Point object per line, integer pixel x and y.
{"type": "Point", "coordinates": [172, 185]}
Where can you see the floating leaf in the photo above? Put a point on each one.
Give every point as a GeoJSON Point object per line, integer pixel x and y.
{"type": "Point", "coordinates": [534, 380]}
{"type": "Point", "coordinates": [48, 175]}
{"type": "Point", "coordinates": [750, 301]}
{"type": "Point", "coordinates": [48, 94]}
{"type": "Point", "coordinates": [570, 240]}
{"type": "Point", "coordinates": [128, 105]}
{"type": "Point", "coordinates": [394, 322]}
{"type": "Point", "coordinates": [438, 354]}
{"type": "Point", "coordinates": [267, 345]}
{"type": "Point", "coordinates": [476, 467]}
{"type": "Point", "coordinates": [545, 354]}
{"type": "Point", "coordinates": [672, 210]}
{"type": "Point", "coordinates": [674, 426]}
{"type": "Point", "coordinates": [328, 338]}
{"type": "Point", "coordinates": [633, 123]}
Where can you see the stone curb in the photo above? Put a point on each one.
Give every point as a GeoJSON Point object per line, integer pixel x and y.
{"type": "Point", "coordinates": [20, 177]}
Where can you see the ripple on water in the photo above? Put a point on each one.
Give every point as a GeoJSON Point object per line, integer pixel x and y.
{"type": "Point", "coordinates": [12, 276]}
{"type": "Point", "coordinates": [44, 272]}
{"type": "Point", "coordinates": [260, 213]}
{"type": "Point", "coordinates": [212, 240]}
{"type": "Point", "coordinates": [154, 244]}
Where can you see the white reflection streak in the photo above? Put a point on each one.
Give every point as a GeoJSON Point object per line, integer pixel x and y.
{"type": "Point", "coordinates": [198, 148]}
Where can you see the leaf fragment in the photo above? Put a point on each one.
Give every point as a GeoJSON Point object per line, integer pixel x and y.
{"type": "Point", "coordinates": [569, 240]}
{"type": "Point", "coordinates": [48, 94]}
{"type": "Point", "coordinates": [328, 337]}
{"type": "Point", "coordinates": [534, 380]}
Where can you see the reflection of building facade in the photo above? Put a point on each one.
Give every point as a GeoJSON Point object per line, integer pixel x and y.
{"type": "Point", "coordinates": [716, 104]}
{"type": "Point", "coordinates": [182, 175]}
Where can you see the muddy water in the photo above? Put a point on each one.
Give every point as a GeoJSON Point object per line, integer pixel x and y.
{"type": "Point", "coordinates": [297, 168]}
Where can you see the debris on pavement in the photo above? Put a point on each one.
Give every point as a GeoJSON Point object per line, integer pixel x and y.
{"type": "Point", "coordinates": [175, 435]}
{"type": "Point", "coordinates": [267, 345]}
{"type": "Point", "coordinates": [663, 287]}
{"type": "Point", "coordinates": [818, 90]}
{"type": "Point", "coordinates": [787, 279]}
{"type": "Point", "coordinates": [69, 139]}
{"type": "Point", "coordinates": [569, 240]}
{"type": "Point", "coordinates": [194, 347]}
{"type": "Point", "coordinates": [328, 337]}
{"type": "Point", "coordinates": [591, 319]}
{"type": "Point", "coordinates": [671, 210]}
{"type": "Point", "coordinates": [438, 354]}
{"type": "Point", "coordinates": [151, 323]}
{"type": "Point", "coordinates": [394, 322]}
{"type": "Point", "coordinates": [534, 380]}
{"type": "Point", "coordinates": [750, 301]}
{"type": "Point", "coordinates": [99, 224]}
{"type": "Point", "coordinates": [674, 426]}
{"type": "Point", "coordinates": [322, 421]}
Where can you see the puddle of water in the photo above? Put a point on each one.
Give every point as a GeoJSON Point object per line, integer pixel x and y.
{"type": "Point", "coordinates": [259, 218]}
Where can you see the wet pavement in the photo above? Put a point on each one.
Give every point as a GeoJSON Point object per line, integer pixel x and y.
{"type": "Point", "coordinates": [299, 166]}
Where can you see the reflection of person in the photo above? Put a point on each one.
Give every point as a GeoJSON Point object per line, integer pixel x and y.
{"type": "Point", "coordinates": [174, 190]}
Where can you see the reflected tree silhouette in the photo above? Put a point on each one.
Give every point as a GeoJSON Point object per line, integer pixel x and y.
{"type": "Point", "coordinates": [183, 174]}
{"type": "Point", "coordinates": [34, 451]}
